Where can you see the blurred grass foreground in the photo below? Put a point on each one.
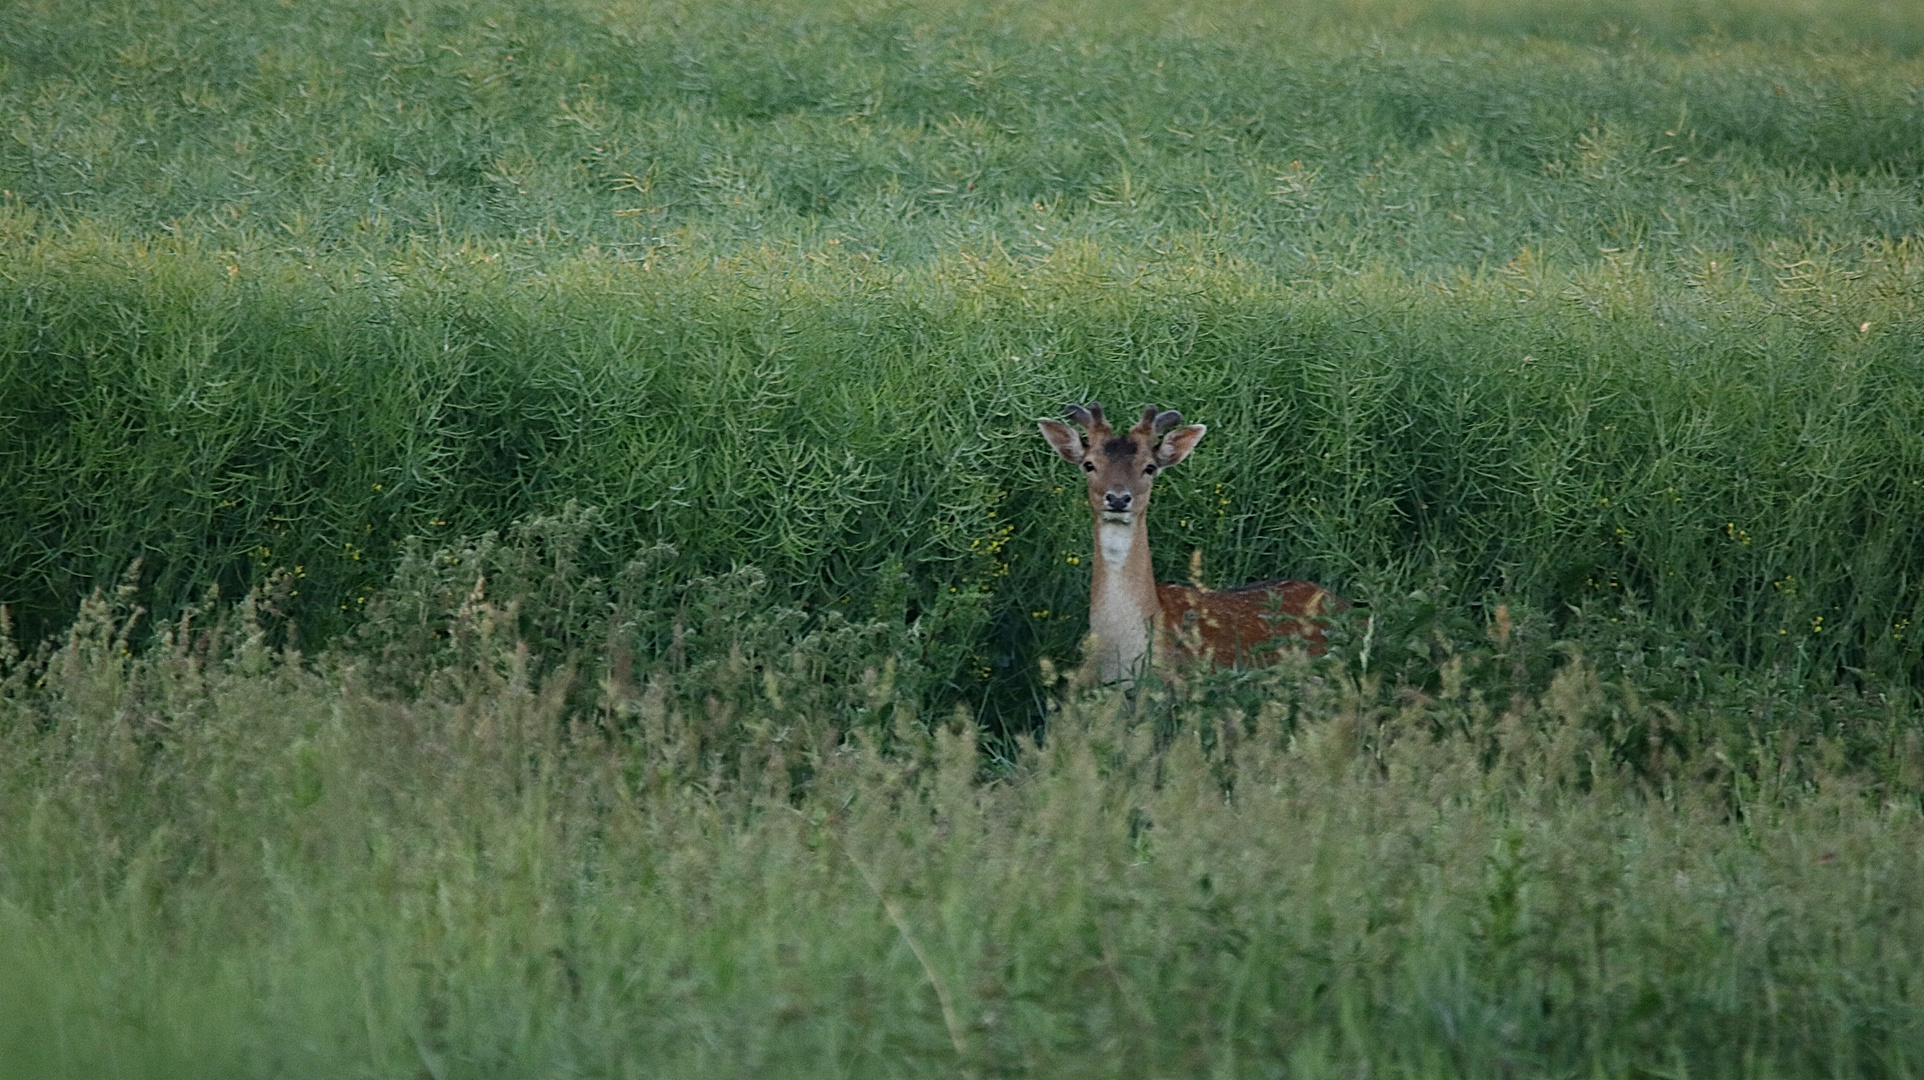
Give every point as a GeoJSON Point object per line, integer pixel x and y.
{"type": "Point", "coordinates": [526, 550]}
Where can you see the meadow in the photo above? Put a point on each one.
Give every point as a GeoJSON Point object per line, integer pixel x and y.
{"type": "Point", "coordinates": [527, 551]}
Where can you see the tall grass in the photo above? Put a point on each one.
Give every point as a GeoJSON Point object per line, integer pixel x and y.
{"type": "Point", "coordinates": [907, 129]}
{"type": "Point", "coordinates": [1743, 464]}
{"type": "Point", "coordinates": [226, 860]}
{"type": "Point", "coordinates": [611, 612]}
{"type": "Point", "coordinates": [1557, 317]}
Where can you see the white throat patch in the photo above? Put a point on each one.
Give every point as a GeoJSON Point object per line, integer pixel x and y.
{"type": "Point", "coordinates": [1116, 541]}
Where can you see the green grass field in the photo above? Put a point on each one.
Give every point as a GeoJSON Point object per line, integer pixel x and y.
{"type": "Point", "coordinates": [577, 589]}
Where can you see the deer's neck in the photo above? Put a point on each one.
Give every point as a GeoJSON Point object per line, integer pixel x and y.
{"type": "Point", "coordinates": [1122, 599]}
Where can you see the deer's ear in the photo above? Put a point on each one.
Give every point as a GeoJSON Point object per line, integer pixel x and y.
{"type": "Point", "coordinates": [1177, 444]}
{"type": "Point", "coordinates": [1064, 439]}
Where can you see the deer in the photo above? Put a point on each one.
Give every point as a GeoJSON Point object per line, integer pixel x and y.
{"type": "Point", "coordinates": [1131, 618]}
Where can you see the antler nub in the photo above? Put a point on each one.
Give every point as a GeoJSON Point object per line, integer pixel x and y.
{"type": "Point", "coordinates": [1154, 423]}
{"type": "Point", "coordinates": [1090, 418]}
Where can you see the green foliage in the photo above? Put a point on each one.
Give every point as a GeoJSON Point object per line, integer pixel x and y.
{"type": "Point", "coordinates": [782, 286]}
{"type": "Point", "coordinates": [265, 865]}
{"type": "Point", "coordinates": [1581, 348]}
{"type": "Point", "coordinates": [1747, 464]}
{"type": "Point", "coordinates": [530, 600]}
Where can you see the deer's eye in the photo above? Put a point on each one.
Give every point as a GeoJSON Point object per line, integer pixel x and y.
{"type": "Point", "coordinates": [1088, 466]}
{"type": "Point", "coordinates": [1149, 471]}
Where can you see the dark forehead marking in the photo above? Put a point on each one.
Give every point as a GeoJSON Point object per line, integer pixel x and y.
{"type": "Point", "coordinates": [1119, 447]}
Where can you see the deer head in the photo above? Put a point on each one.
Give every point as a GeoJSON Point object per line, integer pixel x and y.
{"type": "Point", "coordinates": [1121, 467]}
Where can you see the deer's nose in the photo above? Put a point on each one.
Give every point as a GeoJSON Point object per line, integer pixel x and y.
{"type": "Point", "coordinates": [1118, 501]}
